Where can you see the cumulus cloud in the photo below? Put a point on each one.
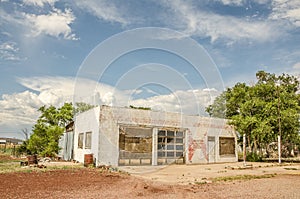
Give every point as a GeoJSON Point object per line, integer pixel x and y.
{"type": "Point", "coordinates": [56, 23]}
{"type": "Point", "coordinates": [191, 102]}
{"type": "Point", "coordinates": [20, 109]}
{"type": "Point", "coordinates": [49, 21]}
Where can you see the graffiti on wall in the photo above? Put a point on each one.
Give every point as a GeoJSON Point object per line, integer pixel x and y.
{"type": "Point", "coordinates": [197, 144]}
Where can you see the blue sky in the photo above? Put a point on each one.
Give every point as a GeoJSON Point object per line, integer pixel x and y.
{"type": "Point", "coordinates": [43, 45]}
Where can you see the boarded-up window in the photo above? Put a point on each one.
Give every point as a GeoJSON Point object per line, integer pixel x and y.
{"type": "Point", "coordinates": [135, 140]}
{"type": "Point", "coordinates": [135, 145]}
{"type": "Point", "coordinates": [88, 140]}
{"type": "Point", "coordinates": [226, 146]}
{"type": "Point", "coordinates": [80, 140]}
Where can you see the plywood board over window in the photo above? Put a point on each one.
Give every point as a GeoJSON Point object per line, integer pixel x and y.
{"type": "Point", "coordinates": [135, 145]}
{"type": "Point", "coordinates": [88, 140]}
{"type": "Point", "coordinates": [226, 146]}
{"type": "Point", "coordinates": [80, 140]}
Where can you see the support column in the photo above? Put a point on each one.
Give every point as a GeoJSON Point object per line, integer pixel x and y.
{"type": "Point", "coordinates": [279, 149]}
{"type": "Point", "coordinates": [154, 146]}
{"type": "Point", "coordinates": [244, 148]}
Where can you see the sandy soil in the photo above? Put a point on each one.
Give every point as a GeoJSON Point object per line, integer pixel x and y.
{"type": "Point", "coordinates": [166, 182]}
{"type": "Point", "coordinates": [186, 174]}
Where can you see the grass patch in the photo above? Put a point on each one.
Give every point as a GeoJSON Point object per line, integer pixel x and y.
{"type": "Point", "coordinates": [201, 182]}
{"type": "Point", "coordinates": [8, 161]}
{"type": "Point", "coordinates": [8, 166]}
{"type": "Point", "coordinates": [290, 168]}
{"type": "Point", "coordinates": [242, 177]}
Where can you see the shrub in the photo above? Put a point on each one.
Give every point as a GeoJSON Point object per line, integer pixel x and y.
{"type": "Point", "coordinates": [253, 157]}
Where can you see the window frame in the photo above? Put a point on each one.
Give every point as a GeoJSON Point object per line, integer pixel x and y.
{"type": "Point", "coordinates": [88, 140]}
{"type": "Point", "coordinates": [80, 141]}
{"type": "Point", "coordinates": [225, 141]}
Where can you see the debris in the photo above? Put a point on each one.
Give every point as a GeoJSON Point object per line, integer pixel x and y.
{"type": "Point", "coordinates": [40, 166]}
{"type": "Point", "coordinates": [46, 159]}
{"type": "Point", "coordinates": [23, 163]}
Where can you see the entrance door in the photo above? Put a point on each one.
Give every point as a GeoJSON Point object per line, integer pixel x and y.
{"type": "Point", "coordinates": [211, 149]}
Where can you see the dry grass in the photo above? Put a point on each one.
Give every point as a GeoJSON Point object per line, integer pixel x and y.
{"type": "Point", "coordinates": [243, 177]}
{"type": "Point", "coordinates": [10, 164]}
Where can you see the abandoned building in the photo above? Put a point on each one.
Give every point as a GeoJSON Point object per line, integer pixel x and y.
{"type": "Point", "coordinates": [125, 136]}
{"type": "Point", "coordinates": [66, 143]}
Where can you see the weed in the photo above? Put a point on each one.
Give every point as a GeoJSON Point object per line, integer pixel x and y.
{"type": "Point", "coordinates": [201, 182]}
{"type": "Point", "coordinates": [243, 177]}
{"type": "Point", "coordinates": [290, 168]}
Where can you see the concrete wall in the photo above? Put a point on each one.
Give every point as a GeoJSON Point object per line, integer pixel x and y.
{"type": "Point", "coordinates": [105, 121]}
{"type": "Point", "coordinates": [198, 129]}
{"type": "Point", "coordinates": [87, 122]}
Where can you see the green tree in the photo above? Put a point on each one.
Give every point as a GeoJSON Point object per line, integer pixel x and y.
{"type": "Point", "coordinates": [262, 111]}
{"type": "Point", "coordinates": [82, 107]}
{"type": "Point", "coordinates": [48, 129]}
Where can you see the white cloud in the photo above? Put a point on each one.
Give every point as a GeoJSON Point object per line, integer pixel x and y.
{"type": "Point", "coordinates": [187, 102]}
{"type": "Point", "coordinates": [56, 23]}
{"type": "Point", "coordinates": [104, 10]}
{"type": "Point", "coordinates": [296, 66]}
{"type": "Point", "coordinates": [197, 22]}
{"type": "Point", "coordinates": [286, 10]}
{"type": "Point", "coordinates": [39, 3]}
{"type": "Point", "coordinates": [262, 1]}
{"type": "Point", "coordinates": [20, 109]}
{"type": "Point", "coordinates": [57, 90]}
{"type": "Point", "coordinates": [232, 2]}
{"type": "Point", "coordinates": [9, 51]}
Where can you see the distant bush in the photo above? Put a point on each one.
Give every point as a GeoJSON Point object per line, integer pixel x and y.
{"type": "Point", "coordinates": [142, 108]}
{"type": "Point", "coordinates": [253, 157]}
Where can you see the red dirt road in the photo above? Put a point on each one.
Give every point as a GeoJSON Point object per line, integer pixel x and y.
{"type": "Point", "coordinates": [94, 183]}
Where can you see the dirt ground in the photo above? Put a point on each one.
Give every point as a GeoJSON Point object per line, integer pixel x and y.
{"type": "Point", "coordinates": [175, 181]}
{"type": "Point", "coordinates": [186, 174]}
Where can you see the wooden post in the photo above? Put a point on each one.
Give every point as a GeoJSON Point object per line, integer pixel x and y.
{"type": "Point", "coordinates": [244, 148]}
{"type": "Point", "coordinates": [279, 149]}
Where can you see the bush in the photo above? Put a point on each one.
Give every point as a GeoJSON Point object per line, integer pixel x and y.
{"type": "Point", "coordinates": [22, 150]}
{"type": "Point", "coordinates": [253, 157]}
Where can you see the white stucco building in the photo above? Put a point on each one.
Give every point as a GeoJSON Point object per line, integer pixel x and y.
{"type": "Point", "coordinates": [125, 136]}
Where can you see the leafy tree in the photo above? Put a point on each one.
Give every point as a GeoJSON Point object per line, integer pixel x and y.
{"type": "Point", "coordinates": [82, 107]}
{"type": "Point", "coordinates": [48, 129]}
{"type": "Point", "coordinates": [262, 111]}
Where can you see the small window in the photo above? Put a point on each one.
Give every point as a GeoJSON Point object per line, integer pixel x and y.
{"type": "Point", "coordinates": [88, 140]}
{"type": "Point", "coordinates": [226, 146]}
{"type": "Point", "coordinates": [80, 140]}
